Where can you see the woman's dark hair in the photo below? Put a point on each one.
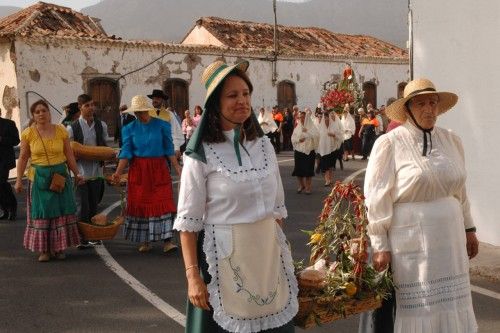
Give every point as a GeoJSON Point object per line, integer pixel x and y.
{"type": "Point", "coordinates": [197, 107]}
{"type": "Point", "coordinates": [39, 102]}
{"type": "Point", "coordinates": [213, 132]}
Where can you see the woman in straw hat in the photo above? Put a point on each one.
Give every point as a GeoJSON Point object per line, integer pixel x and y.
{"type": "Point", "coordinates": [230, 212]}
{"type": "Point", "coordinates": [147, 142]}
{"type": "Point", "coordinates": [305, 138]}
{"type": "Point", "coordinates": [419, 214]}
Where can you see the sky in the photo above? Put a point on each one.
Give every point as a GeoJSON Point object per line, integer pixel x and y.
{"type": "Point", "coordinates": [75, 4]}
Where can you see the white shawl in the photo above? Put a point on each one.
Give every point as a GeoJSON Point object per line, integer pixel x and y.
{"type": "Point", "coordinates": [311, 136]}
{"type": "Point", "coordinates": [266, 122]}
{"type": "Point", "coordinates": [348, 125]}
{"type": "Point", "coordinates": [328, 144]}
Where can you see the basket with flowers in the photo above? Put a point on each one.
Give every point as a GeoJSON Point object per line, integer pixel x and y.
{"type": "Point", "coordinates": [339, 281]}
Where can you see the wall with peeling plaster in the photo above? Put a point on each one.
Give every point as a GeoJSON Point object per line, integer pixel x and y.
{"type": "Point", "coordinates": [8, 84]}
{"type": "Point", "coordinates": [61, 72]}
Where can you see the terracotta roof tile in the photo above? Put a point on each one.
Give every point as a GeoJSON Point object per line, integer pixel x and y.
{"type": "Point", "coordinates": [312, 40]}
{"type": "Point", "coordinates": [43, 19]}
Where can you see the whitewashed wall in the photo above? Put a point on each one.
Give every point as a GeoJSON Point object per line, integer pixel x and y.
{"type": "Point", "coordinates": [460, 52]}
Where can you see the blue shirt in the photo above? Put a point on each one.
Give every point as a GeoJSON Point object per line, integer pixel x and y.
{"type": "Point", "coordinates": [153, 139]}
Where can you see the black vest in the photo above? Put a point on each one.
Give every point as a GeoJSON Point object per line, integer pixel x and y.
{"type": "Point", "coordinates": [78, 132]}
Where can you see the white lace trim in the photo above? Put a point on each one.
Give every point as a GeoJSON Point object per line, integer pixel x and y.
{"type": "Point", "coordinates": [243, 325]}
{"type": "Point", "coordinates": [187, 223]}
{"type": "Point", "coordinates": [240, 173]}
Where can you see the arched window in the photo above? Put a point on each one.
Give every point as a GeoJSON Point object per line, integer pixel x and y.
{"type": "Point", "coordinates": [286, 94]}
{"type": "Point", "coordinates": [178, 95]}
{"type": "Point", "coordinates": [401, 89]}
{"type": "Point", "coordinates": [105, 94]}
{"type": "Point", "coordinates": [370, 93]}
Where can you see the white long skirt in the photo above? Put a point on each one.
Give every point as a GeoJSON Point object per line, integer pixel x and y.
{"type": "Point", "coordinates": [431, 268]}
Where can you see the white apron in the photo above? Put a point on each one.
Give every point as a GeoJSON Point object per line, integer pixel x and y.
{"type": "Point", "coordinates": [253, 287]}
{"type": "Point", "coordinates": [431, 268]}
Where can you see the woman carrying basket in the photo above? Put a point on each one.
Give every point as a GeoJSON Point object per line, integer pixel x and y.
{"type": "Point", "coordinates": [147, 143]}
{"type": "Point", "coordinates": [51, 221]}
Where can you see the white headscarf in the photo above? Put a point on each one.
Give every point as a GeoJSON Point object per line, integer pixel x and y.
{"type": "Point", "coordinates": [348, 125]}
{"type": "Point", "coordinates": [266, 122]}
{"type": "Point", "coordinates": [311, 136]}
{"type": "Point", "coordinates": [328, 144]}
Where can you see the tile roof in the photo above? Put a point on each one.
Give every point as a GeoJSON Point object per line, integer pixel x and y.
{"type": "Point", "coordinates": [312, 40]}
{"type": "Point", "coordinates": [44, 19]}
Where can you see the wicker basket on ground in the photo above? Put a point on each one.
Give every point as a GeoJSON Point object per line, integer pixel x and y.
{"type": "Point", "coordinates": [92, 232]}
{"type": "Point", "coordinates": [339, 282]}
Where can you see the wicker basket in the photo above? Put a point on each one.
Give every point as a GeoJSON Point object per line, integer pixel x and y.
{"type": "Point", "coordinates": [322, 310]}
{"type": "Point", "coordinates": [97, 232]}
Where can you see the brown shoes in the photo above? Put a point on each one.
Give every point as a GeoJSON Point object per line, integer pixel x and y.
{"type": "Point", "coordinates": [145, 247]}
{"type": "Point", "coordinates": [169, 246]}
{"type": "Point", "coordinates": [44, 257]}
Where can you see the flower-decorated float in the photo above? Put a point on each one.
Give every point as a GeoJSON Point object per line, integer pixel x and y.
{"type": "Point", "coordinates": [336, 93]}
{"type": "Point", "coordinates": [339, 281]}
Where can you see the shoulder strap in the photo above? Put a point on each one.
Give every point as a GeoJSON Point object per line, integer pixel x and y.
{"type": "Point", "coordinates": [46, 154]}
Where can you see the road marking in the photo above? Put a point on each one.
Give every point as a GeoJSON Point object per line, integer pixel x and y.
{"type": "Point", "coordinates": [141, 289]}
{"type": "Point", "coordinates": [485, 292]}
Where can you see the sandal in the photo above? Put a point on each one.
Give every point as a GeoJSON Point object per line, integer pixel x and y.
{"type": "Point", "coordinates": [145, 247]}
{"type": "Point", "coordinates": [299, 190]}
{"type": "Point", "coordinates": [44, 257]}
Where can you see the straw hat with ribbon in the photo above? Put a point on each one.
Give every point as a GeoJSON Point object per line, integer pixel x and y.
{"type": "Point", "coordinates": [398, 110]}
{"type": "Point", "coordinates": [139, 103]}
{"type": "Point", "coordinates": [212, 77]}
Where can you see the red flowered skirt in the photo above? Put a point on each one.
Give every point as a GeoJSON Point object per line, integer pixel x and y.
{"type": "Point", "coordinates": [49, 235]}
{"type": "Point", "coordinates": [149, 192]}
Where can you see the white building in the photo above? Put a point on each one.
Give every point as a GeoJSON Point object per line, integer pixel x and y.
{"type": "Point", "coordinates": [456, 45]}
{"type": "Point", "coordinates": [56, 53]}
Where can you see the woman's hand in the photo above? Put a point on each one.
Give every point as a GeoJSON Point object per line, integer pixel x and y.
{"type": "Point", "coordinates": [115, 177]}
{"type": "Point", "coordinates": [79, 180]}
{"type": "Point", "coordinates": [472, 244]}
{"type": "Point", "coordinates": [18, 187]}
{"type": "Point", "coordinates": [381, 260]}
{"type": "Point", "coordinates": [197, 290]}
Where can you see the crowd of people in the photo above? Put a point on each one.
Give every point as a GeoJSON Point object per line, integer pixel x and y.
{"type": "Point", "coordinates": [231, 195]}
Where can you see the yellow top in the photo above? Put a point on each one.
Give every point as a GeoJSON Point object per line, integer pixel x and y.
{"type": "Point", "coordinates": [54, 146]}
{"type": "Point", "coordinates": [164, 114]}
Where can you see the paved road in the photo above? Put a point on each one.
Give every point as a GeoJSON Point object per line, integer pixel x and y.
{"type": "Point", "coordinates": [82, 294]}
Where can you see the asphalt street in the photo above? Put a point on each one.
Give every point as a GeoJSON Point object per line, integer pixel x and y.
{"type": "Point", "coordinates": [84, 293]}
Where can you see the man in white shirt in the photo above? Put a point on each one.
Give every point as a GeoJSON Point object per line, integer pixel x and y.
{"type": "Point", "coordinates": [89, 131]}
{"type": "Point", "coordinates": [159, 101]}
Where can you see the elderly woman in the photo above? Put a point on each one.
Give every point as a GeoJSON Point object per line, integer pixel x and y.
{"type": "Point", "coordinates": [305, 140]}
{"type": "Point", "coordinates": [51, 221]}
{"type": "Point", "coordinates": [147, 144]}
{"type": "Point", "coordinates": [419, 214]}
{"type": "Point", "coordinates": [230, 212]}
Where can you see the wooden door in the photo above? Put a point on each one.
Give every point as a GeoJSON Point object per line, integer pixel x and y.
{"type": "Point", "coordinates": [370, 94]}
{"type": "Point", "coordinates": [104, 93]}
{"type": "Point", "coordinates": [286, 95]}
{"type": "Point", "coordinates": [178, 95]}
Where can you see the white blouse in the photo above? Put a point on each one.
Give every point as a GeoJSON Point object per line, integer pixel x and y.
{"type": "Point", "coordinates": [398, 173]}
{"type": "Point", "coordinates": [328, 144]}
{"type": "Point", "coordinates": [310, 136]}
{"type": "Point", "coordinates": [222, 192]}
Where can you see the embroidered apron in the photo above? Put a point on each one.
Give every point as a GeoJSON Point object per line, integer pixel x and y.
{"type": "Point", "coordinates": [250, 283]}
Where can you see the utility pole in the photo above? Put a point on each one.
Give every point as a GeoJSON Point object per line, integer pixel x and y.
{"type": "Point", "coordinates": [410, 38]}
{"type": "Point", "coordinates": [275, 52]}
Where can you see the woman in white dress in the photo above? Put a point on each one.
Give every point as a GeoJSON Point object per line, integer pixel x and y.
{"type": "Point", "coordinates": [305, 138]}
{"type": "Point", "coordinates": [330, 140]}
{"type": "Point", "coordinates": [267, 122]}
{"type": "Point", "coordinates": [419, 214]}
{"type": "Point", "coordinates": [230, 212]}
{"type": "Point", "coordinates": [349, 127]}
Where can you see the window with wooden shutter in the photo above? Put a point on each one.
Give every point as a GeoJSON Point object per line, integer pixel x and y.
{"type": "Point", "coordinates": [178, 95]}
{"type": "Point", "coordinates": [105, 94]}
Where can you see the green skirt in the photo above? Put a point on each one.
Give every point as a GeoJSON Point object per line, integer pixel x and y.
{"type": "Point", "coordinates": [46, 204]}
{"type": "Point", "coordinates": [202, 321]}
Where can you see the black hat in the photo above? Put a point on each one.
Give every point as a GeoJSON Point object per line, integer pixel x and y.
{"type": "Point", "coordinates": [158, 93]}
{"type": "Point", "coordinates": [72, 108]}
